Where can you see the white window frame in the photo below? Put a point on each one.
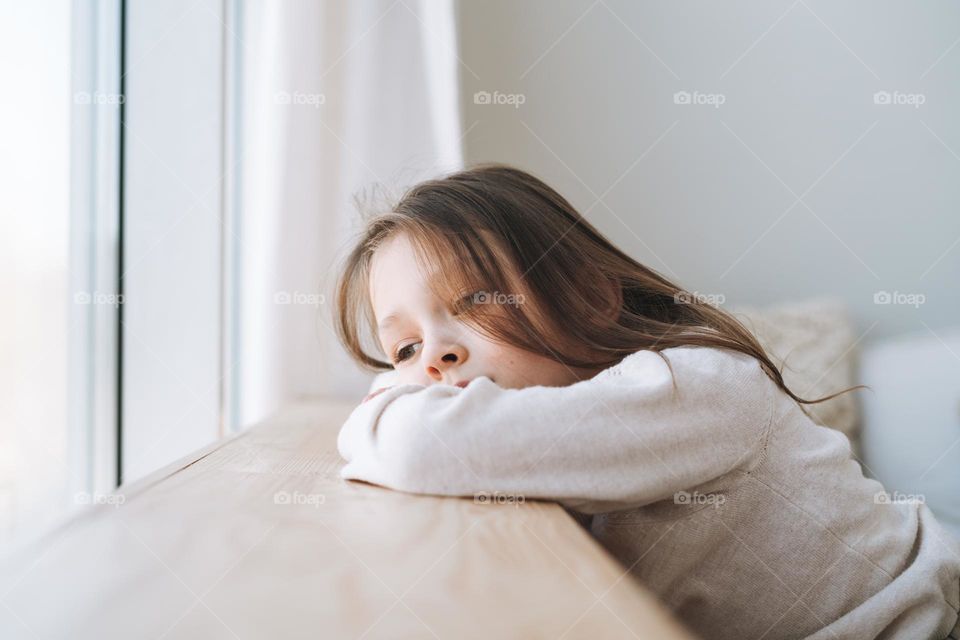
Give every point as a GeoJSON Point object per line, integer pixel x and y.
{"type": "Point", "coordinates": [95, 184]}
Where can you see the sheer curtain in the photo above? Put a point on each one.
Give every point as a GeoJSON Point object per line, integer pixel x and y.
{"type": "Point", "coordinates": [334, 97]}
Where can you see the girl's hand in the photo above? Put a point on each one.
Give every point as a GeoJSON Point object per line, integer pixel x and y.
{"type": "Point", "coordinates": [375, 393]}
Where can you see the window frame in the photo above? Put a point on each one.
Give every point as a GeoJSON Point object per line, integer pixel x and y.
{"type": "Point", "coordinates": [95, 244]}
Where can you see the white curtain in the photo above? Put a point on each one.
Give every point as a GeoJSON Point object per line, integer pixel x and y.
{"type": "Point", "coordinates": [334, 97]}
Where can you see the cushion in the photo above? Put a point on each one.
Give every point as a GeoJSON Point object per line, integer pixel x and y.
{"type": "Point", "coordinates": [813, 344]}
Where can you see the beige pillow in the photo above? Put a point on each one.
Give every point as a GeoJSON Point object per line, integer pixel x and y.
{"type": "Point", "coordinates": [815, 340]}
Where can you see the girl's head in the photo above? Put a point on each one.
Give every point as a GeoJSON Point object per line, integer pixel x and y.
{"type": "Point", "coordinates": [490, 272]}
{"type": "Point", "coordinates": [422, 324]}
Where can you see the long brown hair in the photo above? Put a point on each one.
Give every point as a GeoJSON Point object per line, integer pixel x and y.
{"type": "Point", "coordinates": [592, 305]}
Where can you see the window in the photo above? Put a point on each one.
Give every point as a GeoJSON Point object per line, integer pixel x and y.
{"type": "Point", "coordinates": [58, 244]}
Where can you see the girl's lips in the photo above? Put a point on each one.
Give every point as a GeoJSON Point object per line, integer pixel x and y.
{"type": "Point", "coordinates": [462, 383]}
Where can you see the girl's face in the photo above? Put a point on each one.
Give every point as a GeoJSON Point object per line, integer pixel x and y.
{"type": "Point", "coordinates": [428, 345]}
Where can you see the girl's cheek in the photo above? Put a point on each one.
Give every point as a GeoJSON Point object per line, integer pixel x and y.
{"type": "Point", "coordinates": [404, 376]}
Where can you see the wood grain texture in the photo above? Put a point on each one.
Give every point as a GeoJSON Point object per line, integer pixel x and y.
{"type": "Point", "coordinates": [257, 537]}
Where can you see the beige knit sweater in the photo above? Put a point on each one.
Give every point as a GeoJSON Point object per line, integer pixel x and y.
{"type": "Point", "coordinates": [720, 495]}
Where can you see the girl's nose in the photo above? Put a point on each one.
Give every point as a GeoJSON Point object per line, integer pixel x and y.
{"type": "Point", "coordinates": [442, 360]}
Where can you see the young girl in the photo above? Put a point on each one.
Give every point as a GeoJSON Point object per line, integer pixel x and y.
{"type": "Point", "coordinates": [533, 358]}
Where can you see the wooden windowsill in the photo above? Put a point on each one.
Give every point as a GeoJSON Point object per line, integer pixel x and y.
{"type": "Point", "coordinates": [257, 536]}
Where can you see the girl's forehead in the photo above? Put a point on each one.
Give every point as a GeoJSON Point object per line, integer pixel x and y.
{"type": "Point", "coordinates": [395, 256]}
{"type": "Point", "coordinates": [395, 270]}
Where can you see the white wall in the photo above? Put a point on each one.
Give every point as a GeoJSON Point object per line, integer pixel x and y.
{"type": "Point", "coordinates": [799, 81]}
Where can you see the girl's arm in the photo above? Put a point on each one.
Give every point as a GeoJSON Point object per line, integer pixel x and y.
{"type": "Point", "coordinates": [619, 440]}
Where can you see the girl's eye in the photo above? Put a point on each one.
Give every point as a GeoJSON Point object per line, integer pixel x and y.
{"type": "Point", "coordinates": [405, 352]}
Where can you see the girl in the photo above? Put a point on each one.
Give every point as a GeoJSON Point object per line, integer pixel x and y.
{"type": "Point", "coordinates": [533, 358]}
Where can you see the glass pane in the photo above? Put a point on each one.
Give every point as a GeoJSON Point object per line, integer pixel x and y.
{"type": "Point", "coordinates": [35, 44]}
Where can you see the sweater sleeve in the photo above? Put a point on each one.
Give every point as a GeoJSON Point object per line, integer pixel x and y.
{"type": "Point", "coordinates": [622, 439]}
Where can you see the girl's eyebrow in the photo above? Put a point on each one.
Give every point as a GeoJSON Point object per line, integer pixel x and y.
{"type": "Point", "coordinates": [387, 321]}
